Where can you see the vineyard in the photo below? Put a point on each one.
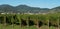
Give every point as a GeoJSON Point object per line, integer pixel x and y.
{"type": "Point", "coordinates": [27, 21]}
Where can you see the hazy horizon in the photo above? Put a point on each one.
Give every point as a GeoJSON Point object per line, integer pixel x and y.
{"type": "Point", "coordinates": [32, 3]}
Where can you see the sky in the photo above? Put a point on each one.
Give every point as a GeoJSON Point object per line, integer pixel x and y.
{"type": "Point", "coordinates": [33, 3]}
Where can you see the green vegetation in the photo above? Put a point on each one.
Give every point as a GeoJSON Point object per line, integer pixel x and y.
{"type": "Point", "coordinates": [20, 21]}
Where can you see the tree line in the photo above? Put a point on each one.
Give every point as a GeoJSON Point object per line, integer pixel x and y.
{"type": "Point", "coordinates": [26, 19]}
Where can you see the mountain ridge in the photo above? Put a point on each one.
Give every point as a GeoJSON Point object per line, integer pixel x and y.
{"type": "Point", "coordinates": [26, 8]}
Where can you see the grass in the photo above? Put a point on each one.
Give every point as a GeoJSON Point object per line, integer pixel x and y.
{"type": "Point", "coordinates": [25, 27]}
{"type": "Point", "coordinates": [53, 27]}
{"type": "Point", "coordinates": [32, 27]}
{"type": "Point", "coordinates": [9, 27]}
{"type": "Point", "coordinates": [15, 27]}
{"type": "Point", "coordinates": [44, 27]}
{"type": "Point", "coordinates": [1, 26]}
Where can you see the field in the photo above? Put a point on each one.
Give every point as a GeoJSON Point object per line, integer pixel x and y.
{"type": "Point", "coordinates": [27, 21]}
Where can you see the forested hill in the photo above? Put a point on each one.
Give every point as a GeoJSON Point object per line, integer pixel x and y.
{"type": "Point", "coordinates": [26, 8]}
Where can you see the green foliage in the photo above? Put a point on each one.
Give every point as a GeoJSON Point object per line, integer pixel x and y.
{"type": "Point", "coordinates": [16, 18]}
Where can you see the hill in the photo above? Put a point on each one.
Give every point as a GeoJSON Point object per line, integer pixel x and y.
{"type": "Point", "coordinates": [26, 9]}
